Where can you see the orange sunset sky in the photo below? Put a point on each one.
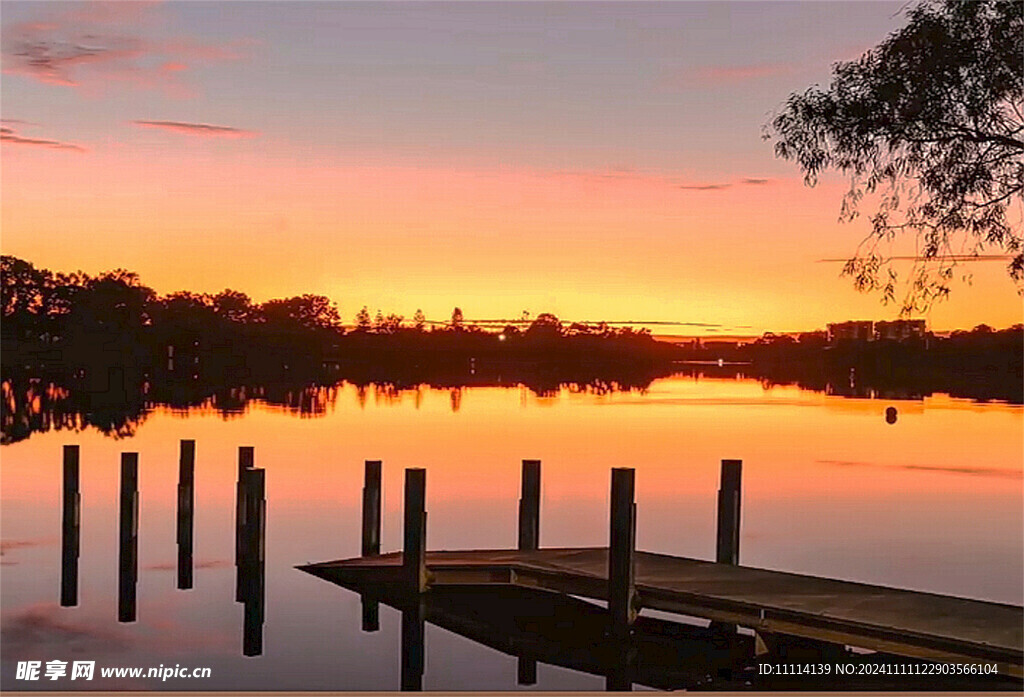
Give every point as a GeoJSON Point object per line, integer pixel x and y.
{"type": "Point", "coordinates": [598, 161]}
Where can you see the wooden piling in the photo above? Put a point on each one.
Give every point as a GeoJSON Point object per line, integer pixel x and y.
{"type": "Point", "coordinates": [129, 538]}
{"type": "Point", "coordinates": [186, 514]}
{"type": "Point", "coordinates": [255, 514]}
{"type": "Point", "coordinates": [529, 507]}
{"type": "Point", "coordinates": [728, 541]}
{"type": "Point", "coordinates": [246, 461]}
{"type": "Point", "coordinates": [371, 508]}
{"type": "Point", "coordinates": [414, 549]}
{"type": "Point", "coordinates": [622, 542]}
{"type": "Point", "coordinates": [70, 528]}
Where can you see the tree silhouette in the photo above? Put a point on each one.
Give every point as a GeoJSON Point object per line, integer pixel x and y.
{"type": "Point", "coordinates": [306, 311]}
{"type": "Point", "coordinates": [115, 301]}
{"type": "Point", "coordinates": [456, 322]}
{"type": "Point", "coordinates": [392, 323]}
{"type": "Point", "coordinates": [546, 325]}
{"type": "Point", "coordinates": [234, 306]}
{"type": "Point", "coordinates": [931, 122]}
{"type": "Point", "coordinates": [363, 319]}
{"type": "Point", "coordinates": [26, 294]}
{"type": "Point", "coordinates": [24, 287]}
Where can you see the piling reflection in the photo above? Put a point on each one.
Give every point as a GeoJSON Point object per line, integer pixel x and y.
{"type": "Point", "coordinates": [542, 627]}
{"type": "Point", "coordinates": [370, 612]}
{"type": "Point", "coordinates": [250, 536]}
{"type": "Point", "coordinates": [186, 504]}
{"type": "Point", "coordinates": [621, 667]}
{"type": "Point", "coordinates": [70, 528]}
{"type": "Point", "coordinates": [526, 671]}
{"type": "Point", "coordinates": [413, 630]}
{"type": "Point", "coordinates": [128, 567]}
{"type": "Point", "coordinates": [251, 572]}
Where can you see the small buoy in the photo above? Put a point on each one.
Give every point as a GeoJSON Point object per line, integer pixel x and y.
{"type": "Point", "coordinates": [890, 415]}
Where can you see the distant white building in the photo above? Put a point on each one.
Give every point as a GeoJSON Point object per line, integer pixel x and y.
{"type": "Point", "coordinates": [900, 329]}
{"type": "Point", "coordinates": [860, 330]}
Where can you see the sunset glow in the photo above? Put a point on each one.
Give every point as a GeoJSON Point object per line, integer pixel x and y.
{"type": "Point", "coordinates": [485, 156]}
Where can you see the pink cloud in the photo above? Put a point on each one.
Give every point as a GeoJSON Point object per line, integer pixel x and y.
{"type": "Point", "coordinates": [198, 129]}
{"type": "Point", "coordinates": [718, 186]}
{"type": "Point", "coordinates": [718, 75]}
{"type": "Point", "coordinates": [627, 174]}
{"type": "Point", "coordinates": [8, 545]}
{"type": "Point", "coordinates": [655, 179]}
{"type": "Point", "coordinates": [94, 45]}
{"type": "Point", "coordinates": [8, 135]}
{"type": "Point", "coordinates": [705, 187]}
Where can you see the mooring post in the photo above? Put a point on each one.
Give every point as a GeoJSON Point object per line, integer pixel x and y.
{"type": "Point", "coordinates": [622, 539]}
{"type": "Point", "coordinates": [529, 507]}
{"type": "Point", "coordinates": [129, 537]}
{"type": "Point", "coordinates": [70, 528]}
{"type": "Point", "coordinates": [371, 508]}
{"type": "Point", "coordinates": [246, 461]}
{"type": "Point", "coordinates": [414, 550]}
{"type": "Point", "coordinates": [371, 536]}
{"type": "Point", "coordinates": [728, 547]}
{"type": "Point", "coordinates": [186, 508]}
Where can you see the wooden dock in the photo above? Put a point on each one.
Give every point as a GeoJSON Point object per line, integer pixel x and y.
{"type": "Point", "coordinates": [922, 625]}
{"type": "Point", "coordinates": [775, 604]}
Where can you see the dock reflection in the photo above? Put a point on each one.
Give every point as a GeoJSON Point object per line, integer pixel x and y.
{"type": "Point", "coordinates": [539, 627]}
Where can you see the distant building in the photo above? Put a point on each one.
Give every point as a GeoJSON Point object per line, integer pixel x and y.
{"type": "Point", "coordinates": [851, 331]}
{"type": "Point", "coordinates": [900, 329]}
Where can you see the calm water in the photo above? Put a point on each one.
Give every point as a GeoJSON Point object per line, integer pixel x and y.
{"type": "Point", "coordinates": [933, 502]}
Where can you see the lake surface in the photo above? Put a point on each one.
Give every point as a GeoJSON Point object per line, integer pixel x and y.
{"type": "Point", "coordinates": [932, 502]}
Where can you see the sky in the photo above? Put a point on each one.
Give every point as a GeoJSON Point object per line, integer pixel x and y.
{"type": "Point", "coordinates": [601, 161]}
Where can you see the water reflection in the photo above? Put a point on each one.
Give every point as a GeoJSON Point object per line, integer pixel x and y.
{"type": "Point", "coordinates": [185, 516]}
{"type": "Point", "coordinates": [128, 555]}
{"type": "Point", "coordinates": [252, 557]}
{"type": "Point", "coordinates": [117, 408]}
{"type": "Point", "coordinates": [250, 534]}
{"type": "Point", "coordinates": [820, 498]}
{"type": "Point", "coordinates": [540, 627]}
{"type": "Point", "coordinates": [70, 528]}
{"type": "Point", "coordinates": [38, 405]}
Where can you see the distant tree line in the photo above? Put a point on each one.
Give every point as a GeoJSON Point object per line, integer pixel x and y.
{"type": "Point", "coordinates": [85, 322]}
{"type": "Point", "coordinates": [981, 363]}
